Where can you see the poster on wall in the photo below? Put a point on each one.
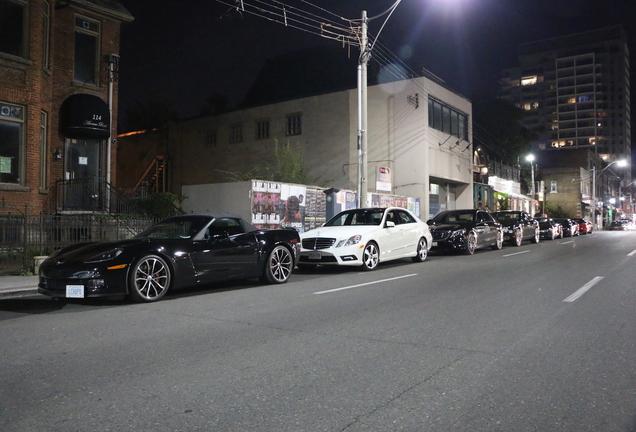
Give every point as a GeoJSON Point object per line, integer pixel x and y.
{"type": "Point", "coordinates": [265, 204]}
{"type": "Point", "coordinates": [315, 208]}
{"type": "Point", "coordinates": [292, 206]}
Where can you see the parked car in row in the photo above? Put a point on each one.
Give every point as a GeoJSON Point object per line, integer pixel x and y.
{"type": "Point", "coordinates": [517, 226]}
{"type": "Point", "coordinates": [549, 228]}
{"type": "Point", "coordinates": [570, 228]}
{"type": "Point", "coordinates": [179, 252]}
{"type": "Point", "coordinates": [585, 226]}
{"type": "Point", "coordinates": [365, 237]}
{"type": "Point", "coordinates": [465, 231]}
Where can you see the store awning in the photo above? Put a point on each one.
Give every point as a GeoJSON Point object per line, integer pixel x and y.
{"type": "Point", "coordinates": [85, 116]}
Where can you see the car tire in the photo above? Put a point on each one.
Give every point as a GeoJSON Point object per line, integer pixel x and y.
{"type": "Point", "coordinates": [499, 243]}
{"type": "Point", "coordinates": [149, 279]}
{"type": "Point", "coordinates": [278, 266]}
{"type": "Point", "coordinates": [471, 244]}
{"type": "Point", "coordinates": [518, 238]}
{"type": "Point", "coordinates": [535, 239]}
{"type": "Point", "coordinates": [422, 251]}
{"type": "Point", "coordinates": [370, 256]}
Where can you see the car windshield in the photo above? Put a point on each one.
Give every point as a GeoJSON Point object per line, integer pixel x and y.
{"type": "Point", "coordinates": [454, 217]}
{"type": "Point", "coordinates": [507, 217]}
{"type": "Point", "coordinates": [177, 228]}
{"type": "Point", "coordinates": [357, 217]}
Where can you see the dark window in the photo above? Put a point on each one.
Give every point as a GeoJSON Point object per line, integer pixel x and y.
{"type": "Point", "coordinates": [12, 27]}
{"type": "Point", "coordinates": [447, 119]}
{"type": "Point", "coordinates": [293, 124]}
{"type": "Point", "coordinates": [210, 138]}
{"type": "Point", "coordinates": [46, 35]}
{"type": "Point", "coordinates": [262, 129]}
{"type": "Point", "coordinates": [86, 50]}
{"type": "Point", "coordinates": [236, 133]}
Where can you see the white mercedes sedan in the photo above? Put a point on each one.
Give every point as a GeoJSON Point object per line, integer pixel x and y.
{"type": "Point", "coordinates": [365, 237]}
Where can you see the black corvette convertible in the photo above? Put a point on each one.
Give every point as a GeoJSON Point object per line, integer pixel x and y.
{"type": "Point", "coordinates": [181, 251]}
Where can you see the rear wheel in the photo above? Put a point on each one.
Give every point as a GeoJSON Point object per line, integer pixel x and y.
{"type": "Point", "coordinates": [149, 279]}
{"type": "Point", "coordinates": [535, 239]}
{"type": "Point", "coordinates": [422, 251]}
{"type": "Point", "coordinates": [370, 256]}
{"type": "Point", "coordinates": [499, 243]}
{"type": "Point", "coordinates": [278, 266]}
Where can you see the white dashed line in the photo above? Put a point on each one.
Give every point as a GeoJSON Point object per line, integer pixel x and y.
{"type": "Point", "coordinates": [578, 293]}
{"type": "Point", "coordinates": [364, 284]}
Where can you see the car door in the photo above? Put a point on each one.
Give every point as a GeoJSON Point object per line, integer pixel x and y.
{"type": "Point", "coordinates": [484, 229]}
{"type": "Point", "coordinates": [392, 237]}
{"type": "Point", "coordinates": [410, 232]}
{"type": "Point", "coordinates": [225, 252]}
{"type": "Point", "coordinates": [528, 225]}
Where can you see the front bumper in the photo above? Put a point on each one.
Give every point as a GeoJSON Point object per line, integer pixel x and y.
{"type": "Point", "coordinates": [82, 283]}
{"type": "Point", "coordinates": [342, 256]}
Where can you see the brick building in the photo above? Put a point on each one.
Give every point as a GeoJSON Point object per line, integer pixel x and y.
{"type": "Point", "coordinates": [58, 102]}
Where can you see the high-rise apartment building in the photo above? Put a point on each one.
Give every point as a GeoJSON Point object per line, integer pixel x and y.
{"type": "Point", "coordinates": [575, 90]}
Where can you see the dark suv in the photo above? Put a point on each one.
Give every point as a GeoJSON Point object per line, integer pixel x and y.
{"type": "Point", "coordinates": [518, 226]}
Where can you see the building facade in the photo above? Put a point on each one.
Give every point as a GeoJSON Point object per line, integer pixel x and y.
{"type": "Point", "coordinates": [419, 143]}
{"type": "Point", "coordinates": [58, 100]}
{"type": "Point", "coordinates": [575, 91]}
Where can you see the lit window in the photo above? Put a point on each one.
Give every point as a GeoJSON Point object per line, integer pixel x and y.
{"type": "Point", "coordinates": [572, 100]}
{"type": "Point", "coordinates": [525, 81]}
{"type": "Point", "coordinates": [236, 133]}
{"type": "Point", "coordinates": [293, 124]}
{"type": "Point", "coordinates": [12, 26]}
{"type": "Point", "coordinates": [86, 50]}
{"type": "Point", "coordinates": [11, 142]}
{"type": "Point", "coordinates": [553, 186]}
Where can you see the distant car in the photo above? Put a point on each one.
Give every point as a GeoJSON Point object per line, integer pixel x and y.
{"type": "Point", "coordinates": [181, 251]}
{"type": "Point", "coordinates": [549, 228]}
{"type": "Point", "coordinates": [585, 226]}
{"type": "Point", "coordinates": [465, 231]}
{"type": "Point", "coordinates": [365, 237]}
{"type": "Point", "coordinates": [517, 226]}
{"type": "Point", "coordinates": [570, 228]}
{"type": "Point", "coordinates": [621, 225]}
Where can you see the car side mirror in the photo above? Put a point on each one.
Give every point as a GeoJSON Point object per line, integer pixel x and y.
{"type": "Point", "coordinates": [390, 224]}
{"type": "Point", "coordinates": [429, 222]}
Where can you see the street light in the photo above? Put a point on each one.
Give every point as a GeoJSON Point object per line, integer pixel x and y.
{"type": "Point", "coordinates": [530, 158]}
{"type": "Point", "coordinates": [620, 163]}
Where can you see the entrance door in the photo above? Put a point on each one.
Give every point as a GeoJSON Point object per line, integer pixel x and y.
{"type": "Point", "coordinates": [82, 174]}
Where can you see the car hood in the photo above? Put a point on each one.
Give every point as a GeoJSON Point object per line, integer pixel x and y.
{"type": "Point", "coordinates": [85, 251]}
{"type": "Point", "coordinates": [448, 227]}
{"type": "Point", "coordinates": [340, 232]}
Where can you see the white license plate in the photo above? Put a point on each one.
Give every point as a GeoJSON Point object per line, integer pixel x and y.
{"type": "Point", "coordinates": [74, 291]}
{"type": "Point", "coordinates": [434, 244]}
{"type": "Point", "coordinates": [313, 255]}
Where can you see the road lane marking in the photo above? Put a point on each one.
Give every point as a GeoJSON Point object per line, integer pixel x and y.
{"type": "Point", "coordinates": [516, 253]}
{"type": "Point", "coordinates": [632, 253]}
{"type": "Point", "coordinates": [571, 241]}
{"type": "Point", "coordinates": [364, 284]}
{"type": "Point", "coordinates": [578, 293]}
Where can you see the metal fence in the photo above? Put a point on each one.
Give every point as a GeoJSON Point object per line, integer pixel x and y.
{"type": "Point", "coordinates": [24, 237]}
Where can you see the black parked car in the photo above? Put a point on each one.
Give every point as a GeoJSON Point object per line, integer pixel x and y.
{"type": "Point", "coordinates": [465, 231]}
{"type": "Point", "coordinates": [549, 228]}
{"type": "Point", "coordinates": [570, 228]}
{"type": "Point", "coordinates": [517, 226]}
{"type": "Point", "coordinates": [178, 252]}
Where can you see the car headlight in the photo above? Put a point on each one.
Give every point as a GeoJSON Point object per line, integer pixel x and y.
{"type": "Point", "coordinates": [458, 233]}
{"type": "Point", "coordinates": [106, 256]}
{"type": "Point", "coordinates": [350, 241]}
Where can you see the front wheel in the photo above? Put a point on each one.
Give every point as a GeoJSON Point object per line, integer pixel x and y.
{"type": "Point", "coordinates": [149, 279]}
{"type": "Point", "coordinates": [422, 251]}
{"type": "Point", "coordinates": [370, 256]}
{"type": "Point", "coordinates": [278, 266]}
{"type": "Point", "coordinates": [518, 238]}
{"type": "Point", "coordinates": [471, 244]}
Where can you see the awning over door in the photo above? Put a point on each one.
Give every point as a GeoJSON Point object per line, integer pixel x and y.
{"type": "Point", "coordinates": [85, 116]}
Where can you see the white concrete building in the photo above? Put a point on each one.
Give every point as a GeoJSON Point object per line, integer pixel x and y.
{"type": "Point", "coordinates": [417, 129]}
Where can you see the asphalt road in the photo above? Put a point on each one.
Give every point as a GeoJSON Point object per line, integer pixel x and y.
{"type": "Point", "coordinates": [535, 338]}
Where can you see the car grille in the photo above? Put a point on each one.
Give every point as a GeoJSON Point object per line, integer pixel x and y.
{"type": "Point", "coordinates": [440, 235]}
{"type": "Point", "coordinates": [316, 243]}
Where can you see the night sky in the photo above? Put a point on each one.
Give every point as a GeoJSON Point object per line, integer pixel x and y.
{"type": "Point", "coordinates": [193, 49]}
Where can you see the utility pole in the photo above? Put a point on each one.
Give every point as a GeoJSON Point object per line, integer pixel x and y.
{"type": "Point", "coordinates": [365, 54]}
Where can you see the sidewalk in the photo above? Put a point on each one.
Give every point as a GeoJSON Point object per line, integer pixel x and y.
{"type": "Point", "coordinates": [18, 285]}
